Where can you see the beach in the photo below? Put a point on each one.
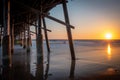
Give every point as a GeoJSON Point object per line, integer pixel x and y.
{"type": "Point", "coordinates": [95, 60]}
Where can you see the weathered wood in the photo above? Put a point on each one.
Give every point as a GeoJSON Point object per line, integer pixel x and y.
{"type": "Point", "coordinates": [6, 49]}
{"type": "Point", "coordinates": [40, 68]}
{"type": "Point", "coordinates": [27, 65]}
{"type": "Point", "coordinates": [40, 27]}
{"type": "Point", "coordinates": [39, 38]}
{"type": "Point", "coordinates": [8, 19]}
{"type": "Point", "coordinates": [40, 71]}
{"type": "Point", "coordinates": [1, 45]}
{"type": "Point", "coordinates": [32, 24]}
{"type": "Point", "coordinates": [33, 32]}
{"type": "Point", "coordinates": [4, 18]}
{"type": "Point", "coordinates": [21, 39]}
{"type": "Point", "coordinates": [28, 34]}
{"type": "Point", "coordinates": [47, 66]}
{"type": "Point", "coordinates": [1, 30]}
{"type": "Point", "coordinates": [46, 36]}
{"type": "Point", "coordinates": [59, 21]}
{"type": "Point", "coordinates": [0, 35]}
{"type": "Point", "coordinates": [68, 30]}
{"type": "Point", "coordinates": [36, 29]}
{"type": "Point", "coordinates": [12, 37]}
{"type": "Point", "coordinates": [24, 41]}
{"type": "Point", "coordinates": [30, 40]}
{"type": "Point", "coordinates": [72, 70]}
{"type": "Point", "coordinates": [41, 13]}
{"type": "Point", "coordinates": [28, 37]}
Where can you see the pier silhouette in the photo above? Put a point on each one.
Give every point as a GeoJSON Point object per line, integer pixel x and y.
{"type": "Point", "coordinates": [16, 18]}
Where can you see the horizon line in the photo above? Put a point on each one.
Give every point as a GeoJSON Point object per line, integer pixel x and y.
{"type": "Point", "coordinates": [82, 39]}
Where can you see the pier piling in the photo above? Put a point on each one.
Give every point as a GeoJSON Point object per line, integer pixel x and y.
{"type": "Point", "coordinates": [68, 30]}
{"type": "Point", "coordinates": [24, 41]}
{"type": "Point", "coordinates": [40, 72]}
{"type": "Point", "coordinates": [46, 35]}
{"type": "Point", "coordinates": [12, 37]}
{"type": "Point", "coordinates": [6, 43]}
{"type": "Point", "coordinates": [28, 37]}
{"type": "Point", "coordinates": [17, 19]}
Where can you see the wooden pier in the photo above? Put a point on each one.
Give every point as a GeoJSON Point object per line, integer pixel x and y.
{"type": "Point", "coordinates": [16, 17]}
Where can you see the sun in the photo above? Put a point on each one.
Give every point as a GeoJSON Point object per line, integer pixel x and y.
{"type": "Point", "coordinates": [108, 36]}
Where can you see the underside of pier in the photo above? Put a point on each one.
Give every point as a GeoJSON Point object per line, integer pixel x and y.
{"type": "Point", "coordinates": [16, 17]}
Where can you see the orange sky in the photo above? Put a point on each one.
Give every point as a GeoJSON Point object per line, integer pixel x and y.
{"type": "Point", "coordinates": [92, 20]}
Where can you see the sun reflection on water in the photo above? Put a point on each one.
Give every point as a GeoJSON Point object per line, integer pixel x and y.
{"type": "Point", "coordinates": [109, 52]}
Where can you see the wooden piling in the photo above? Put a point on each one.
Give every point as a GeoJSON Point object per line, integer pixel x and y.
{"type": "Point", "coordinates": [28, 36]}
{"type": "Point", "coordinates": [72, 70]}
{"type": "Point", "coordinates": [68, 30]}
{"type": "Point", "coordinates": [21, 39]}
{"type": "Point", "coordinates": [47, 66]}
{"type": "Point", "coordinates": [39, 39]}
{"type": "Point", "coordinates": [46, 35]}
{"type": "Point", "coordinates": [40, 71]}
{"type": "Point", "coordinates": [0, 35]}
{"type": "Point", "coordinates": [24, 41]}
{"type": "Point", "coordinates": [12, 37]}
{"type": "Point", "coordinates": [40, 68]}
{"type": "Point", "coordinates": [6, 49]}
{"type": "Point", "coordinates": [36, 31]}
{"type": "Point", "coordinates": [0, 45]}
{"type": "Point", "coordinates": [28, 39]}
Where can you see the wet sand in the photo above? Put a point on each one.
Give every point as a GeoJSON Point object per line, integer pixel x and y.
{"type": "Point", "coordinates": [96, 62]}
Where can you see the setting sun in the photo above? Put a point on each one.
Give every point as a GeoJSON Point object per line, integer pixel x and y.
{"type": "Point", "coordinates": [108, 36]}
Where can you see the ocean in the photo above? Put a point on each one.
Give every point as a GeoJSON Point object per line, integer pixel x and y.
{"type": "Point", "coordinates": [95, 60]}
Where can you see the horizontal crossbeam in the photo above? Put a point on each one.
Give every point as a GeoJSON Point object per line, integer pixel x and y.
{"type": "Point", "coordinates": [44, 14]}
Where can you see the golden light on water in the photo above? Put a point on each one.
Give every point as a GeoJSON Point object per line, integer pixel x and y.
{"type": "Point", "coordinates": [109, 52]}
{"type": "Point", "coordinates": [109, 49]}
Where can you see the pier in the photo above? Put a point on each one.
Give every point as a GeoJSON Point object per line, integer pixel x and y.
{"type": "Point", "coordinates": [16, 18]}
{"type": "Point", "coordinates": [52, 55]}
{"type": "Point", "coordinates": [18, 15]}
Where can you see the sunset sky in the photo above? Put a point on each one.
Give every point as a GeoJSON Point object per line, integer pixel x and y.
{"type": "Point", "coordinates": [92, 19]}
